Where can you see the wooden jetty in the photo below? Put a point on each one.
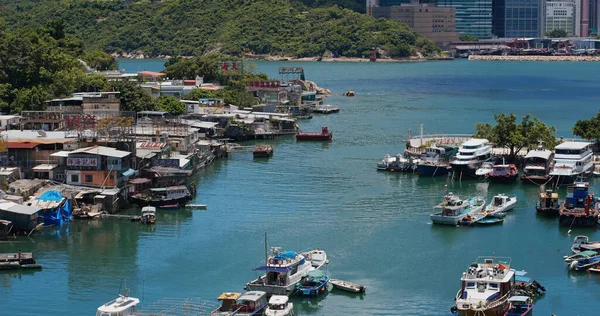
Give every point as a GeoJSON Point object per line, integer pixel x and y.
{"type": "Point", "coordinates": [18, 260]}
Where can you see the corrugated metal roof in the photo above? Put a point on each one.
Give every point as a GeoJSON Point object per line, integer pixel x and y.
{"type": "Point", "coordinates": [24, 145]}
{"type": "Point", "coordinates": [44, 167]}
{"type": "Point", "coordinates": [102, 151]}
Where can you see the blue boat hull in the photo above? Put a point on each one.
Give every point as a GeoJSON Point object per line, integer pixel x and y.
{"type": "Point", "coordinates": [432, 171]}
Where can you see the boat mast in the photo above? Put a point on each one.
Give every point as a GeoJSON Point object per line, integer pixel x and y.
{"type": "Point", "coordinates": [266, 250]}
{"type": "Point", "coordinates": [421, 135]}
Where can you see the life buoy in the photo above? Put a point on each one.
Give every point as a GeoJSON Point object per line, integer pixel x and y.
{"type": "Point", "coordinates": [271, 261]}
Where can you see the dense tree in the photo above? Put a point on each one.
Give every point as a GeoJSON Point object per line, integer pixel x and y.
{"type": "Point", "coordinates": [100, 60]}
{"type": "Point", "coordinates": [302, 28]}
{"type": "Point", "coordinates": [170, 104]}
{"type": "Point", "coordinates": [468, 38]}
{"type": "Point", "coordinates": [557, 33]}
{"type": "Point", "coordinates": [133, 98]}
{"type": "Point", "coordinates": [515, 136]}
{"type": "Point", "coordinates": [588, 129]}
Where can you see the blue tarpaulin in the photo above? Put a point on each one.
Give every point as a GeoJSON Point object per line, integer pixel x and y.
{"type": "Point", "coordinates": [50, 195]}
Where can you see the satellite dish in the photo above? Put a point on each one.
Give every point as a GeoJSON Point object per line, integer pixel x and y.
{"type": "Point", "coordinates": [41, 133]}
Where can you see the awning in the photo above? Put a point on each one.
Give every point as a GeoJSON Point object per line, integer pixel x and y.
{"type": "Point", "coordinates": [19, 145]}
{"type": "Point", "coordinates": [129, 172]}
{"type": "Point", "coordinates": [275, 269]}
{"type": "Point", "coordinates": [44, 167]}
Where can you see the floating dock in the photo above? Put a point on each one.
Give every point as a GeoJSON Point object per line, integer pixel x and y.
{"type": "Point", "coordinates": [19, 260]}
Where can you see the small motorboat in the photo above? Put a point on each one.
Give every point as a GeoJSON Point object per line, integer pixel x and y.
{"type": "Point", "coordinates": [583, 243]}
{"type": "Point", "coordinates": [580, 255]}
{"type": "Point", "coordinates": [121, 306]}
{"type": "Point", "coordinates": [317, 258]}
{"type": "Point", "coordinates": [347, 286]}
{"type": "Point", "coordinates": [519, 306]}
{"type": "Point", "coordinates": [584, 263]}
{"type": "Point", "coordinates": [170, 206]}
{"type": "Point", "coordinates": [485, 169]}
{"type": "Point", "coordinates": [313, 284]}
{"type": "Point", "coordinates": [501, 204]}
{"type": "Point", "coordinates": [279, 305]}
{"type": "Point", "coordinates": [148, 215]}
{"type": "Point", "coordinates": [490, 220]}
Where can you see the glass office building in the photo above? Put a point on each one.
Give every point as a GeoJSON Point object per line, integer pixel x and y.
{"type": "Point", "coordinates": [518, 18]}
{"type": "Point", "coordinates": [473, 17]}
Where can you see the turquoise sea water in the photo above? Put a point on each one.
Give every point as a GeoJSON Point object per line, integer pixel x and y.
{"type": "Point", "coordinates": [375, 226]}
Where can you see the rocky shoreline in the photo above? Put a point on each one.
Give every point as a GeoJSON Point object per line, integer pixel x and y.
{"type": "Point", "coordinates": [283, 58]}
{"type": "Point", "coordinates": [534, 58]}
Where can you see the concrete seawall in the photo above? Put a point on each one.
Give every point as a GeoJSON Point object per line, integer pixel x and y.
{"type": "Point", "coordinates": [534, 58]}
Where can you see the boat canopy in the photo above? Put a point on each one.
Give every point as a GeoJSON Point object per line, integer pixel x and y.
{"type": "Point", "coordinates": [521, 276]}
{"type": "Point", "coordinates": [519, 299]}
{"type": "Point", "coordinates": [274, 269]}
{"type": "Point", "coordinates": [252, 296]}
{"type": "Point", "coordinates": [229, 296]}
{"type": "Point", "coordinates": [278, 300]}
{"type": "Point", "coordinates": [542, 154]}
{"type": "Point", "coordinates": [588, 253]}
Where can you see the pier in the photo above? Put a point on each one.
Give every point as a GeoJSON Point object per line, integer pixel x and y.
{"type": "Point", "coordinates": [534, 58]}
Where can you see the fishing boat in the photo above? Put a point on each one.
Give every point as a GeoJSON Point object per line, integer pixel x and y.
{"type": "Point", "coordinates": [580, 207]}
{"type": "Point", "coordinates": [228, 304]}
{"type": "Point", "coordinates": [501, 203]}
{"type": "Point", "coordinates": [160, 197]}
{"type": "Point", "coordinates": [470, 157]}
{"type": "Point", "coordinates": [583, 243]}
{"type": "Point", "coordinates": [503, 173]}
{"type": "Point", "coordinates": [453, 210]}
{"type": "Point", "coordinates": [548, 203]}
{"type": "Point", "coordinates": [169, 206]}
{"type": "Point", "coordinates": [283, 269]}
{"type": "Point", "coordinates": [148, 215]}
{"type": "Point", "coordinates": [326, 109]}
{"type": "Point", "coordinates": [121, 306]}
{"type": "Point", "coordinates": [526, 286]}
{"type": "Point", "coordinates": [572, 162]}
{"type": "Point", "coordinates": [313, 284]}
{"type": "Point", "coordinates": [397, 163]}
{"type": "Point", "coordinates": [251, 303]}
{"type": "Point", "coordinates": [584, 263]}
{"type": "Point", "coordinates": [263, 151]}
{"type": "Point", "coordinates": [580, 255]}
{"type": "Point", "coordinates": [485, 288]}
{"type": "Point", "coordinates": [324, 135]}
{"type": "Point", "coordinates": [484, 170]}
{"type": "Point", "coordinates": [435, 161]}
{"type": "Point", "coordinates": [538, 164]}
{"type": "Point", "coordinates": [347, 286]}
{"type": "Point", "coordinates": [519, 306]}
{"type": "Point", "coordinates": [279, 305]}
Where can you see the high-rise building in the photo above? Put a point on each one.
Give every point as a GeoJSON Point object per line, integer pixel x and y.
{"type": "Point", "coordinates": [473, 17]}
{"type": "Point", "coordinates": [563, 15]}
{"type": "Point", "coordinates": [518, 18]}
{"type": "Point", "coordinates": [593, 16]}
{"type": "Point", "coordinates": [435, 23]}
{"type": "Point", "coordinates": [584, 13]}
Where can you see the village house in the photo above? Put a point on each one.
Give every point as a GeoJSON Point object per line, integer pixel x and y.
{"type": "Point", "coordinates": [96, 166]}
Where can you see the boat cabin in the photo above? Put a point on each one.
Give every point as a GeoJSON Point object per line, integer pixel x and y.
{"type": "Point", "coordinates": [537, 162]}
{"type": "Point", "coordinates": [578, 197]}
{"type": "Point", "coordinates": [500, 200]}
{"type": "Point", "coordinates": [228, 303]}
{"type": "Point", "coordinates": [519, 305]}
{"type": "Point", "coordinates": [278, 302]}
{"type": "Point", "coordinates": [487, 280]}
{"type": "Point", "coordinates": [549, 199]}
{"type": "Point", "coordinates": [121, 306]}
{"type": "Point", "coordinates": [251, 302]}
{"type": "Point", "coordinates": [170, 192]}
{"type": "Point", "coordinates": [452, 205]}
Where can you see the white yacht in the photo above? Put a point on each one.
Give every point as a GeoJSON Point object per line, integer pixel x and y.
{"type": "Point", "coordinates": [470, 157]}
{"type": "Point", "coordinates": [485, 287]}
{"type": "Point", "coordinates": [279, 305]}
{"type": "Point", "coordinates": [283, 270]}
{"type": "Point", "coordinates": [121, 306]}
{"type": "Point", "coordinates": [572, 161]}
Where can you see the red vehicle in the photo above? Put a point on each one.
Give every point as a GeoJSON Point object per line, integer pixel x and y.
{"type": "Point", "coordinates": [324, 135]}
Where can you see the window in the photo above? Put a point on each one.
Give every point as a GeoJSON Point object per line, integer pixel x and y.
{"type": "Point", "coordinates": [493, 286]}
{"type": "Point", "coordinates": [89, 178]}
{"type": "Point", "coordinates": [95, 106]}
{"type": "Point", "coordinates": [74, 178]}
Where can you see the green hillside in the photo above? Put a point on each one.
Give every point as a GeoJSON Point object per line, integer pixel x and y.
{"type": "Point", "coordinates": [300, 28]}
